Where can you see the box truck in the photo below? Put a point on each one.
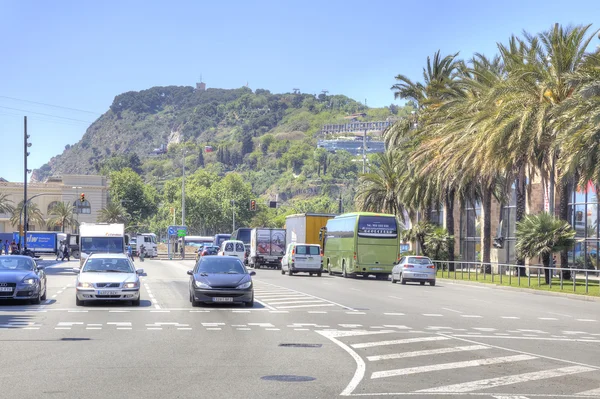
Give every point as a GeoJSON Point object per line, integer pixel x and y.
{"type": "Point", "coordinates": [267, 247]}
{"type": "Point", "coordinates": [304, 228]}
{"type": "Point", "coordinates": [101, 238]}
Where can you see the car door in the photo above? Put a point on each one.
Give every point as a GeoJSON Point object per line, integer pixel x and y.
{"type": "Point", "coordinates": [285, 261]}
{"type": "Point", "coordinates": [397, 271]}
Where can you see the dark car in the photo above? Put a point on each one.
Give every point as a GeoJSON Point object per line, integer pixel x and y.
{"type": "Point", "coordinates": [221, 279]}
{"type": "Point", "coordinates": [21, 278]}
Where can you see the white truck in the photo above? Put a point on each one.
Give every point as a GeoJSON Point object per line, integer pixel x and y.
{"type": "Point", "coordinates": [101, 238]}
{"type": "Point", "coordinates": [149, 241]}
{"type": "Point", "coordinates": [267, 247]}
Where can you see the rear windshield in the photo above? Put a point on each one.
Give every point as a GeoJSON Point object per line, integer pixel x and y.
{"type": "Point", "coordinates": [377, 227]}
{"type": "Point", "coordinates": [419, 261]}
{"type": "Point", "coordinates": [229, 247]}
{"type": "Point", "coordinates": [307, 250]}
{"type": "Point", "coordinates": [239, 247]}
{"type": "Point", "coordinates": [220, 265]}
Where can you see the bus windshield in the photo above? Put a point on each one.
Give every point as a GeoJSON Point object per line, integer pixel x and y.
{"type": "Point", "coordinates": [102, 244]}
{"type": "Point", "coordinates": [243, 235]}
{"type": "Point", "coordinates": [377, 227]}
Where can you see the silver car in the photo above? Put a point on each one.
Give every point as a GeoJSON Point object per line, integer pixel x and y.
{"type": "Point", "coordinates": [414, 268]}
{"type": "Point", "coordinates": [108, 277]}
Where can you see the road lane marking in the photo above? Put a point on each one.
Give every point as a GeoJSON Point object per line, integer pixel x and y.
{"type": "Point", "coordinates": [119, 323]}
{"type": "Point", "coordinates": [397, 341]}
{"type": "Point", "coordinates": [153, 328]}
{"type": "Point", "coordinates": [432, 315]}
{"type": "Point", "coordinates": [261, 324]}
{"type": "Point", "coordinates": [360, 364]}
{"type": "Point", "coordinates": [355, 333]}
{"type": "Point", "coordinates": [587, 320]}
{"type": "Point", "coordinates": [451, 366]}
{"type": "Point", "coordinates": [301, 329]}
{"type": "Point", "coordinates": [511, 317]}
{"type": "Point", "coordinates": [93, 328]}
{"type": "Point", "coordinates": [317, 312]}
{"type": "Point", "coordinates": [119, 311]}
{"type": "Point", "coordinates": [429, 352]}
{"type": "Point", "coordinates": [397, 326]}
{"type": "Point", "coordinates": [293, 302]}
{"type": "Point", "coordinates": [472, 316]}
{"type": "Point", "coordinates": [272, 329]}
{"type": "Point", "coordinates": [592, 392]}
{"type": "Point", "coordinates": [355, 312]}
{"type": "Point", "coordinates": [124, 328]}
{"type": "Point", "coordinates": [535, 337]}
{"type": "Point", "coordinates": [394, 314]}
{"type": "Point", "coordinates": [510, 397]}
{"type": "Point", "coordinates": [452, 310]}
{"type": "Point", "coordinates": [532, 331]}
{"type": "Point", "coordinates": [484, 329]}
{"type": "Point", "coordinates": [243, 329]}
{"type": "Point", "coordinates": [306, 306]}
{"type": "Point", "coordinates": [547, 318]}
{"type": "Point", "coordinates": [316, 297]}
{"type": "Point", "coordinates": [199, 311]}
{"type": "Point", "coordinates": [507, 380]}
{"type": "Point", "coordinates": [278, 311]}
{"type": "Point", "coordinates": [78, 311]}
{"type": "Point", "coordinates": [214, 329]}
{"type": "Point", "coordinates": [160, 311]}
{"type": "Point", "coordinates": [350, 325]}
{"type": "Point", "coordinates": [184, 328]}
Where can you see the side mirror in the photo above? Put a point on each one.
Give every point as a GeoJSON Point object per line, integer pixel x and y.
{"type": "Point", "coordinates": [190, 273]}
{"type": "Point", "coordinates": [76, 270]}
{"type": "Point", "coordinates": [139, 271]}
{"type": "Point", "coordinates": [252, 273]}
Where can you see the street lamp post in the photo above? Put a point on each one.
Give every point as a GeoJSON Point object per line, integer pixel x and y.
{"type": "Point", "coordinates": [233, 215]}
{"type": "Point", "coordinates": [76, 207]}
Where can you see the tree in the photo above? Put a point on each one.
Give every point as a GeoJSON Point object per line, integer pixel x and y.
{"type": "Point", "coordinates": [62, 214]}
{"type": "Point", "coordinates": [247, 144]}
{"type": "Point", "coordinates": [5, 204]}
{"type": "Point", "coordinates": [34, 215]}
{"type": "Point", "coordinates": [114, 212]}
{"type": "Point", "coordinates": [438, 243]}
{"type": "Point", "coordinates": [418, 234]}
{"type": "Point", "coordinates": [139, 199]}
{"type": "Point", "coordinates": [200, 159]}
{"type": "Point", "coordinates": [542, 235]}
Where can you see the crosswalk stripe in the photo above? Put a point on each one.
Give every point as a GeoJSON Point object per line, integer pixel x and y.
{"type": "Point", "coordinates": [592, 392]}
{"type": "Point", "coordinates": [355, 333]}
{"type": "Point", "coordinates": [294, 302]}
{"type": "Point", "coordinates": [398, 341]}
{"type": "Point", "coordinates": [449, 366]}
{"type": "Point", "coordinates": [427, 352]}
{"type": "Point", "coordinates": [510, 397]}
{"type": "Point", "coordinates": [305, 306]}
{"type": "Point", "coordinates": [507, 380]}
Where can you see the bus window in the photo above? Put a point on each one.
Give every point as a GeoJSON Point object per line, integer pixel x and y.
{"type": "Point", "coordinates": [377, 227]}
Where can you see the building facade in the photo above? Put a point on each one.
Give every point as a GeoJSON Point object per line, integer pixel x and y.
{"type": "Point", "coordinates": [67, 188]}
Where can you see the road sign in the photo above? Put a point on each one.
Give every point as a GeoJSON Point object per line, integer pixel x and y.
{"type": "Point", "coordinates": [174, 230]}
{"type": "Point", "coordinates": [181, 233]}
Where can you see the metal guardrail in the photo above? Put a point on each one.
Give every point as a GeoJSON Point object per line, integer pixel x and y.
{"type": "Point", "coordinates": [507, 273]}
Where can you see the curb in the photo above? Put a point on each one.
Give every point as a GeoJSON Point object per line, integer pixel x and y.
{"type": "Point", "coordinates": [581, 297]}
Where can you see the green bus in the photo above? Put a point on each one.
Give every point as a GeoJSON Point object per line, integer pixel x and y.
{"type": "Point", "coordinates": [361, 244]}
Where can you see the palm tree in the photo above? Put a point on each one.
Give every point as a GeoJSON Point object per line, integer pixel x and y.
{"type": "Point", "coordinates": [34, 215]}
{"type": "Point", "coordinates": [114, 212]}
{"type": "Point", "coordinates": [438, 243]}
{"type": "Point", "coordinates": [542, 235]}
{"type": "Point", "coordinates": [5, 204]}
{"type": "Point", "coordinates": [62, 214]}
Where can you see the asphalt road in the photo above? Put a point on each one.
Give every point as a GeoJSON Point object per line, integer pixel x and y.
{"type": "Point", "coordinates": [306, 337]}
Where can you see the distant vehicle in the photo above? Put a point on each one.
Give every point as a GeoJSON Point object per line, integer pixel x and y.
{"type": "Point", "coordinates": [302, 258]}
{"type": "Point", "coordinates": [219, 238]}
{"type": "Point", "coordinates": [414, 268]}
{"type": "Point", "coordinates": [243, 234]}
{"type": "Point", "coordinates": [221, 279]}
{"type": "Point", "coordinates": [207, 251]}
{"type": "Point", "coordinates": [208, 148]}
{"type": "Point", "coordinates": [21, 278]}
{"type": "Point", "coordinates": [106, 238]}
{"type": "Point", "coordinates": [362, 244]}
{"type": "Point", "coordinates": [149, 241]}
{"type": "Point", "coordinates": [233, 248]}
{"type": "Point", "coordinates": [305, 227]}
{"type": "Point", "coordinates": [197, 241]}
{"type": "Point", "coordinates": [72, 241]}
{"type": "Point", "coordinates": [107, 277]}
{"type": "Point", "coordinates": [40, 242]}
{"type": "Point", "coordinates": [267, 247]}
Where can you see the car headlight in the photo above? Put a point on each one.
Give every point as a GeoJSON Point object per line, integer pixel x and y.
{"type": "Point", "coordinates": [131, 285]}
{"type": "Point", "coordinates": [84, 285]}
{"type": "Point", "coordinates": [29, 281]}
{"type": "Point", "coordinates": [244, 286]}
{"type": "Point", "coordinates": [200, 284]}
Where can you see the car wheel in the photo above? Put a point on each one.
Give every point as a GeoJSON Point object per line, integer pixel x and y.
{"type": "Point", "coordinates": [282, 271]}
{"type": "Point", "coordinates": [136, 302]}
{"type": "Point", "coordinates": [79, 302]}
{"type": "Point", "coordinates": [422, 282]}
{"type": "Point", "coordinates": [250, 303]}
{"type": "Point", "coordinates": [319, 274]}
{"type": "Point", "coordinates": [43, 298]}
{"type": "Point", "coordinates": [195, 303]}
{"type": "Point", "coordinates": [290, 272]}
{"type": "Point", "coordinates": [310, 274]}
{"type": "Point", "coordinates": [432, 283]}
{"type": "Point", "coordinates": [36, 301]}
{"type": "Point", "coordinates": [393, 279]}
{"type": "Point", "coordinates": [402, 281]}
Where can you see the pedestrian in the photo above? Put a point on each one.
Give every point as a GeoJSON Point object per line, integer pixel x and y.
{"type": "Point", "coordinates": [14, 248]}
{"type": "Point", "coordinates": [66, 254]}
{"type": "Point", "coordinates": [142, 252]}
{"type": "Point", "coordinates": [7, 247]}
{"type": "Point", "coordinates": [59, 251]}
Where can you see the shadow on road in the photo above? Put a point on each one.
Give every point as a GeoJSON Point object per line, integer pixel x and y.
{"type": "Point", "coordinates": [144, 303]}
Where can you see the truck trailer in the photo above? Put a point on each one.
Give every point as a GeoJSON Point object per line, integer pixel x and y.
{"type": "Point", "coordinates": [267, 247]}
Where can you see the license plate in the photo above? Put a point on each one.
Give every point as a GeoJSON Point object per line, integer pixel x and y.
{"type": "Point", "coordinates": [222, 299]}
{"type": "Point", "coordinates": [377, 268]}
{"type": "Point", "coordinates": [109, 293]}
{"type": "Point", "coordinates": [6, 289]}
{"type": "Point", "coordinates": [420, 275]}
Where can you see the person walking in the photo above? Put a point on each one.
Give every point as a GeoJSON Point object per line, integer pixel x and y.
{"type": "Point", "coordinates": [59, 251]}
{"type": "Point", "coordinates": [66, 254]}
{"type": "Point", "coordinates": [7, 248]}
{"type": "Point", "coordinates": [14, 248]}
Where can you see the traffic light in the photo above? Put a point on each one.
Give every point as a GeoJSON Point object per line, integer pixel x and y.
{"type": "Point", "coordinates": [82, 197]}
{"type": "Point", "coordinates": [252, 205]}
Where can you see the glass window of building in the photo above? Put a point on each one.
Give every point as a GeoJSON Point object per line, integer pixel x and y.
{"type": "Point", "coordinates": [82, 207]}
{"type": "Point", "coordinates": [437, 216]}
{"type": "Point", "coordinates": [470, 232]}
{"type": "Point", "coordinates": [583, 216]}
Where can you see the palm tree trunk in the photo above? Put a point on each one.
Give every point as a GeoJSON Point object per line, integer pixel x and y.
{"type": "Point", "coordinates": [449, 203]}
{"type": "Point", "coordinates": [546, 263]}
{"type": "Point", "coordinates": [521, 194]}
{"type": "Point", "coordinates": [487, 228]}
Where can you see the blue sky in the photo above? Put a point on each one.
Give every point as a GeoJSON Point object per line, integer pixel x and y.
{"type": "Point", "coordinates": [81, 54]}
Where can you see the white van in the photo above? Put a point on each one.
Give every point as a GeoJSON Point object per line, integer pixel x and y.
{"type": "Point", "coordinates": [233, 248]}
{"type": "Point", "coordinates": [302, 258]}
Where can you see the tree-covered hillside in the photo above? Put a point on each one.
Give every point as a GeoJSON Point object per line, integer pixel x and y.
{"type": "Point", "coordinates": [266, 142]}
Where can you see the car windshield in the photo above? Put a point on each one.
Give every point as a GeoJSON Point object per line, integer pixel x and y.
{"type": "Point", "coordinates": [220, 265]}
{"type": "Point", "coordinates": [419, 261]}
{"type": "Point", "coordinates": [8, 264]}
{"type": "Point", "coordinates": [108, 265]}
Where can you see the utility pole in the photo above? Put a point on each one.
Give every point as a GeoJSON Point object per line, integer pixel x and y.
{"type": "Point", "coordinates": [183, 190]}
{"type": "Point", "coordinates": [233, 215]}
{"type": "Point", "coordinates": [365, 152]}
{"type": "Point", "coordinates": [26, 145]}
{"type": "Point", "coordinates": [340, 207]}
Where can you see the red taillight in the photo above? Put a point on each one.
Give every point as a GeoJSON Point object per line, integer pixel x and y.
{"type": "Point", "coordinates": [293, 251]}
{"type": "Point", "coordinates": [431, 267]}
{"type": "Point", "coordinates": [408, 266]}
{"type": "Point", "coordinates": [321, 252]}
{"type": "Point", "coordinates": [355, 256]}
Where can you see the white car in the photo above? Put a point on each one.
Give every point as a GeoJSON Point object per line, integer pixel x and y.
{"type": "Point", "coordinates": [414, 268]}
{"type": "Point", "coordinates": [302, 258]}
{"type": "Point", "coordinates": [233, 248]}
{"type": "Point", "coordinates": [107, 277]}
